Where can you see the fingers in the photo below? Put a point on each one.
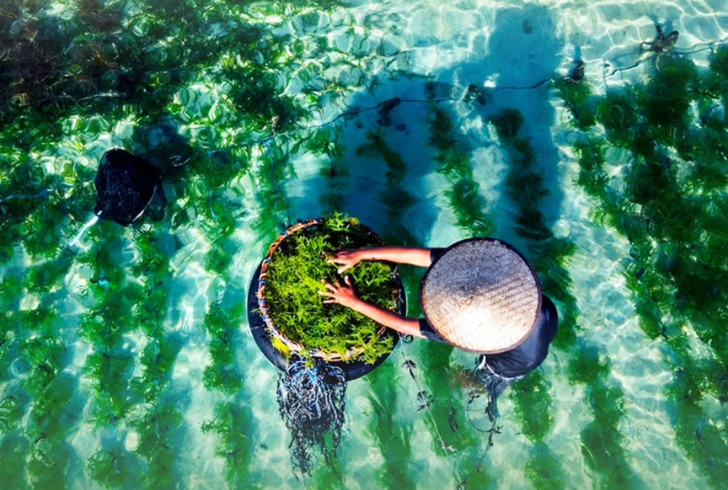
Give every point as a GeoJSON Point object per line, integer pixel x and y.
{"type": "Point", "coordinates": [344, 258]}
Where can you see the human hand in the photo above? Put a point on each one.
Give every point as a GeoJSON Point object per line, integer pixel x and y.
{"type": "Point", "coordinates": [342, 294]}
{"type": "Point", "coordinates": [346, 259]}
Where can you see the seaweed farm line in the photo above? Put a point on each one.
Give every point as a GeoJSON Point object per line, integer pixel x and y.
{"type": "Point", "coordinates": [592, 136]}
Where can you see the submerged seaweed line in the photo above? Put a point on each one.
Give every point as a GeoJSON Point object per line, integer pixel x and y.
{"type": "Point", "coordinates": [398, 200]}
{"type": "Point", "coordinates": [525, 186]}
{"type": "Point", "coordinates": [468, 207]}
{"type": "Point", "coordinates": [37, 453]}
{"type": "Point", "coordinates": [426, 403]}
{"type": "Point", "coordinates": [393, 441]}
{"type": "Point", "coordinates": [531, 398]}
{"type": "Point", "coordinates": [676, 185]}
{"type": "Point", "coordinates": [454, 163]}
{"type": "Point", "coordinates": [110, 363]}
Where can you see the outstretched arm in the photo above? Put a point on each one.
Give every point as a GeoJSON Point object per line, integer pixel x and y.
{"type": "Point", "coordinates": [344, 295]}
{"type": "Point", "coordinates": [347, 259]}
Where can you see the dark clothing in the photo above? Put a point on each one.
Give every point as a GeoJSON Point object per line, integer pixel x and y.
{"type": "Point", "coordinates": [531, 353]}
{"type": "Point", "coordinates": [528, 355]}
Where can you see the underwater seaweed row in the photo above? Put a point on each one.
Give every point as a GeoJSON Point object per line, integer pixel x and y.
{"type": "Point", "coordinates": [454, 163]}
{"type": "Point", "coordinates": [669, 202]}
{"type": "Point", "coordinates": [470, 210]}
{"type": "Point", "coordinates": [395, 196]}
{"type": "Point", "coordinates": [132, 406]}
{"type": "Point", "coordinates": [392, 438]}
{"type": "Point", "coordinates": [44, 391]}
{"type": "Point", "coordinates": [397, 200]}
{"type": "Point", "coordinates": [232, 425]}
{"type": "Point", "coordinates": [524, 184]}
{"type": "Point", "coordinates": [233, 420]}
{"type": "Point", "coordinates": [532, 403]}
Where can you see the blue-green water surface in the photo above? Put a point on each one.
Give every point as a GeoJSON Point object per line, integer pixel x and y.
{"type": "Point", "coordinates": [125, 355]}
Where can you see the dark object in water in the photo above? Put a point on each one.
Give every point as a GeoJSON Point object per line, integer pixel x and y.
{"type": "Point", "coordinates": [662, 42]}
{"type": "Point", "coordinates": [126, 187]}
{"type": "Point", "coordinates": [577, 74]}
{"type": "Point", "coordinates": [475, 94]}
{"type": "Point", "coordinates": [411, 366]}
{"type": "Point", "coordinates": [311, 400]}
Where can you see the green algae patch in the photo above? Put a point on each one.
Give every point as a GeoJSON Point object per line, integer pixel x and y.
{"type": "Point", "coordinates": [295, 278]}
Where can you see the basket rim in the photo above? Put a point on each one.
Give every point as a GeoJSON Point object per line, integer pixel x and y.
{"type": "Point", "coordinates": [273, 329]}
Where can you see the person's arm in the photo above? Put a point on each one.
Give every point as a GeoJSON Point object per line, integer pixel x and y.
{"type": "Point", "coordinates": [347, 259]}
{"type": "Point", "coordinates": [344, 295]}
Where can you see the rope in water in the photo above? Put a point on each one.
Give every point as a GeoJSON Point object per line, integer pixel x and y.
{"type": "Point", "coordinates": [494, 390]}
{"type": "Point", "coordinates": [311, 401]}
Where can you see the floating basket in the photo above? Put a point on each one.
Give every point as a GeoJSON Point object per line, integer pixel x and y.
{"type": "Point", "coordinates": [276, 332]}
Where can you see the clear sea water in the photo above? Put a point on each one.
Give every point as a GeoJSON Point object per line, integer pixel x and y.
{"type": "Point", "coordinates": [264, 113]}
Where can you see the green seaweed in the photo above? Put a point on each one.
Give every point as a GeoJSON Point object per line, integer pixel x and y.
{"type": "Point", "coordinates": [619, 116]}
{"type": "Point", "coordinates": [395, 196]}
{"type": "Point", "coordinates": [578, 98]}
{"type": "Point", "coordinates": [378, 147]}
{"type": "Point", "coordinates": [454, 163]}
{"type": "Point", "coordinates": [112, 371]}
{"type": "Point", "coordinates": [224, 373]}
{"type": "Point", "coordinates": [49, 465]}
{"type": "Point", "coordinates": [156, 428]}
{"type": "Point", "coordinates": [533, 406]}
{"type": "Point", "coordinates": [158, 360]}
{"type": "Point", "coordinates": [508, 124]}
{"type": "Point", "coordinates": [53, 415]}
{"type": "Point", "coordinates": [543, 469]}
{"type": "Point", "coordinates": [232, 424]}
{"type": "Point", "coordinates": [296, 278]}
{"type": "Point", "coordinates": [602, 442]}
{"type": "Point", "coordinates": [393, 442]}
{"type": "Point", "coordinates": [115, 467]}
{"type": "Point", "coordinates": [666, 98]}
{"type": "Point", "coordinates": [13, 453]}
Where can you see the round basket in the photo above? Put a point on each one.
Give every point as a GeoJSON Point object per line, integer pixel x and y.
{"type": "Point", "coordinates": [276, 332]}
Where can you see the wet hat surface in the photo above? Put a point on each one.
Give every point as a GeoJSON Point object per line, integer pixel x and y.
{"type": "Point", "coordinates": [481, 296]}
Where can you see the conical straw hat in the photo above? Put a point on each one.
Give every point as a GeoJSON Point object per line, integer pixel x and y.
{"type": "Point", "coordinates": [481, 296]}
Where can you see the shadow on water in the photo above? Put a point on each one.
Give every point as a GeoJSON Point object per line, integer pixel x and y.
{"type": "Point", "coordinates": [387, 159]}
{"type": "Point", "coordinates": [522, 57]}
{"type": "Point", "coordinates": [523, 52]}
{"type": "Point", "coordinates": [382, 186]}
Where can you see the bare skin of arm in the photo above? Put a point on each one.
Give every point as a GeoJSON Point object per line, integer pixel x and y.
{"type": "Point", "coordinates": [347, 259]}
{"type": "Point", "coordinates": [344, 295]}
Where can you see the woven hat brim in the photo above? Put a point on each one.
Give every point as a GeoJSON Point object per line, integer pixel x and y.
{"type": "Point", "coordinates": [481, 295]}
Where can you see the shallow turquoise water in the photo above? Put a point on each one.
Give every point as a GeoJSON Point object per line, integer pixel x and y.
{"type": "Point", "coordinates": [117, 371]}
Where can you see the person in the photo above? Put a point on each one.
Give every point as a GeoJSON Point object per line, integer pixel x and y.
{"type": "Point", "coordinates": [479, 295]}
